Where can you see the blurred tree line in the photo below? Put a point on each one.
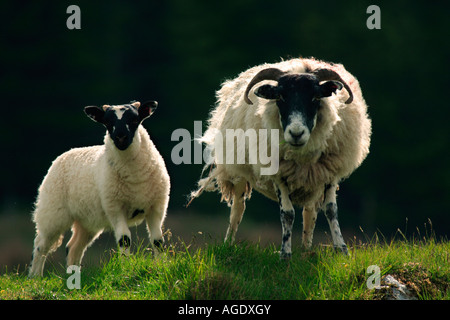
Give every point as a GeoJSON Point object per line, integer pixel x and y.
{"type": "Point", "coordinates": [178, 52]}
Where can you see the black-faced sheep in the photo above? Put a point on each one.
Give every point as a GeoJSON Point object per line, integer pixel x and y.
{"type": "Point", "coordinates": [111, 186]}
{"type": "Point", "coordinates": [324, 133]}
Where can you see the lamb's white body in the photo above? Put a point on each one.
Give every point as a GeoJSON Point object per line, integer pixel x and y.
{"type": "Point", "coordinates": [337, 145]}
{"type": "Point", "coordinates": [100, 187]}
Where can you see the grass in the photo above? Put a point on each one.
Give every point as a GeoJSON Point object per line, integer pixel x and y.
{"type": "Point", "coordinates": [248, 271]}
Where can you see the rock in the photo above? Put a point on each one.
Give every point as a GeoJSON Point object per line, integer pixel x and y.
{"type": "Point", "coordinates": [397, 290]}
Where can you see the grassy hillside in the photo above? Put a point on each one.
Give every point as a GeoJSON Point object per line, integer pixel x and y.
{"type": "Point", "coordinates": [248, 271]}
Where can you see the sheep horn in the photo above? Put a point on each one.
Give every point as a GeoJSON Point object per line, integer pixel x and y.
{"type": "Point", "coordinates": [266, 74]}
{"type": "Point", "coordinates": [327, 74]}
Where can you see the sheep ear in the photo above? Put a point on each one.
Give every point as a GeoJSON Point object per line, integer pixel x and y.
{"type": "Point", "coordinates": [95, 113]}
{"type": "Point", "coordinates": [146, 109]}
{"type": "Point", "coordinates": [267, 91]}
{"type": "Point", "coordinates": [136, 104]}
{"type": "Point", "coordinates": [326, 89]}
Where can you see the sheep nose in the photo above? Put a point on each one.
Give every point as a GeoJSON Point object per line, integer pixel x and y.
{"type": "Point", "coordinates": [121, 137]}
{"type": "Point", "coordinates": [296, 135]}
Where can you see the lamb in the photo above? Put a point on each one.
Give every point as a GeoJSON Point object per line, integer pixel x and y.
{"type": "Point", "coordinates": [111, 186]}
{"type": "Point", "coordinates": [324, 132]}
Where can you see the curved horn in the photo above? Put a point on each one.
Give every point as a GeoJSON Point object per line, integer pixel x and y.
{"type": "Point", "coordinates": [327, 74]}
{"type": "Point", "coordinates": [266, 74]}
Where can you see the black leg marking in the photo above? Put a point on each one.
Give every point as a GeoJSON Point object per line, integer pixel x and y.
{"type": "Point", "coordinates": [287, 215]}
{"type": "Point", "coordinates": [137, 212]}
{"type": "Point", "coordinates": [279, 196]}
{"type": "Point", "coordinates": [286, 236]}
{"type": "Point", "coordinates": [331, 211]}
{"type": "Point", "coordinates": [159, 243]}
{"type": "Point", "coordinates": [287, 220]}
{"type": "Point", "coordinates": [124, 242]}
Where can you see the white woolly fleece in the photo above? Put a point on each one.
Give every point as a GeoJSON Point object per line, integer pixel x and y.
{"type": "Point", "coordinates": [100, 187]}
{"type": "Point", "coordinates": [337, 146]}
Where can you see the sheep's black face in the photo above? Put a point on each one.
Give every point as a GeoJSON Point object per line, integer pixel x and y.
{"type": "Point", "coordinates": [298, 99]}
{"type": "Point", "coordinates": [122, 121]}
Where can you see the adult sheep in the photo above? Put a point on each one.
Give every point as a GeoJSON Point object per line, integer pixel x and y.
{"type": "Point", "coordinates": [324, 133]}
{"type": "Point", "coordinates": [111, 186]}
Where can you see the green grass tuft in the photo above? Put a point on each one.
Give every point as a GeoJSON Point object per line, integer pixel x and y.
{"type": "Point", "coordinates": [248, 271]}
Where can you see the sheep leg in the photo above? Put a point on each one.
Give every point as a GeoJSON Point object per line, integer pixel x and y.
{"type": "Point", "coordinates": [237, 211]}
{"type": "Point", "coordinates": [287, 215]}
{"type": "Point", "coordinates": [121, 231]}
{"type": "Point", "coordinates": [78, 243]}
{"type": "Point", "coordinates": [309, 223]}
{"type": "Point", "coordinates": [331, 213]}
{"type": "Point", "coordinates": [154, 223]}
{"type": "Point", "coordinates": [43, 245]}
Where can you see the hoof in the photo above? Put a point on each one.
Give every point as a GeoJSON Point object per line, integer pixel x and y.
{"type": "Point", "coordinates": [342, 249]}
{"type": "Point", "coordinates": [159, 244]}
{"type": "Point", "coordinates": [285, 255]}
{"type": "Point", "coordinates": [124, 242]}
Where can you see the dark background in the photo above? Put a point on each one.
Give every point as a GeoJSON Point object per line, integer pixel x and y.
{"type": "Point", "coordinates": [179, 52]}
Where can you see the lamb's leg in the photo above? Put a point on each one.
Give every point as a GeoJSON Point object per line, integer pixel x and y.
{"type": "Point", "coordinates": [309, 223]}
{"type": "Point", "coordinates": [80, 240]}
{"type": "Point", "coordinates": [154, 222]}
{"type": "Point", "coordinates": [237, 210]}
{"type": "Point", "coordinates": [122, 233]}
{"type": "Point", "coordinates": [287, 215]}
{"type": "Point", "coordinates": [330, 209]}
{"type": "Point", "coordinates": [50, 228]}
{"type": "Point", "coordinates": [44, 243]}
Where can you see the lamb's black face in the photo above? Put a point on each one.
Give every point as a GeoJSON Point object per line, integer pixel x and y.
{"type": "Point", "coordinates": [298, 99]}
{"type": "Point", "coordinates": [122, 121]}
